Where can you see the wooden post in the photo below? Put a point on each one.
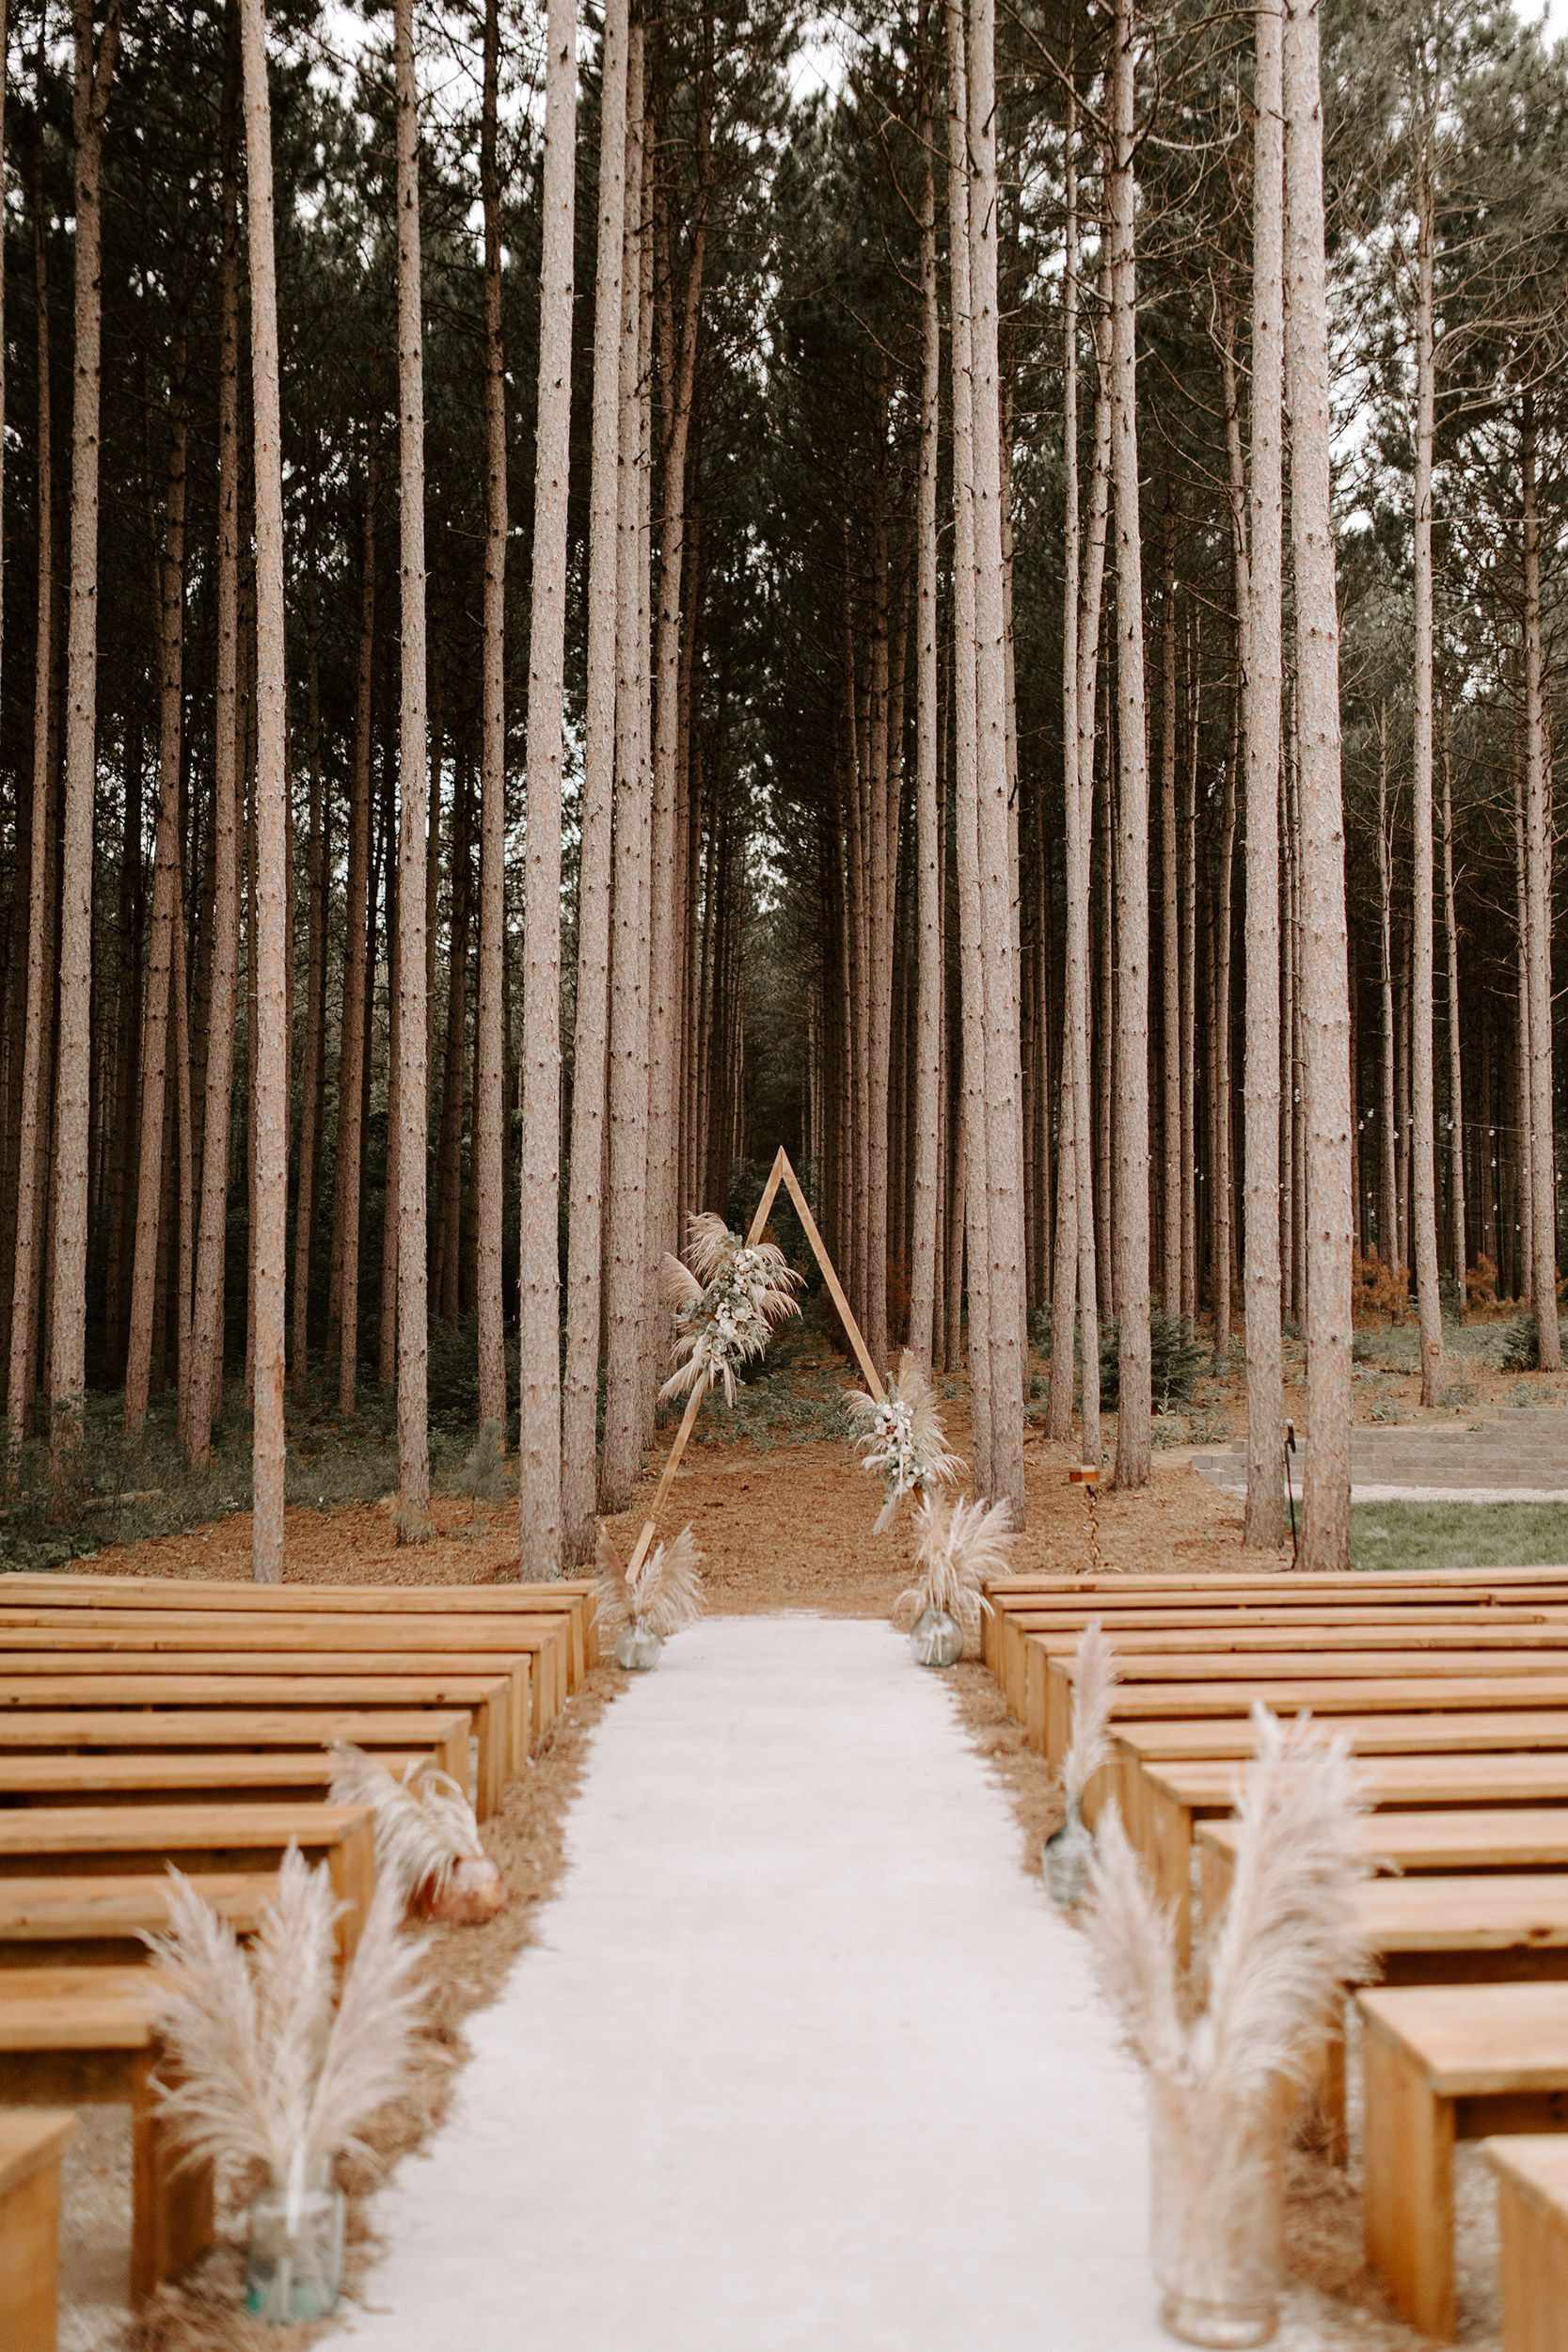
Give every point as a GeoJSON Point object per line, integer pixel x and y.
{"type": "Point", "coordinates": [781, 1172]}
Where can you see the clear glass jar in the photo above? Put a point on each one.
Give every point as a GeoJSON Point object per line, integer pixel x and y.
{"type": "Point", "coordinates": [637, 1646]}
{"type": "Point", "coordinates": [294, 2267]}
{"type": "Point", "coordinates": [1067, 1859]}
{"type": "Point", "coordinates": [938, 1640]}
{"type": "Point", "coordinates": [1215, 2212]}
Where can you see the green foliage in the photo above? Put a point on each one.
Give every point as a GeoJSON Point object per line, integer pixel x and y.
{"type": "Point", "coordinates": [1517, 1345]}
{"type": "Point", "coordinates": [1177, 1361]}
{"type": "Point", "coordinates": [482, 1475]}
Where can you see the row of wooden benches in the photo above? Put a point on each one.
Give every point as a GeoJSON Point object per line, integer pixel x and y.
{"type": "Point", "coordinates": [1452, 1688]}
{"type": "Point", "coordinates": [145, 1722]}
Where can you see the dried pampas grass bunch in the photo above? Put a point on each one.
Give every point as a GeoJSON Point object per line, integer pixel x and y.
{"type": "Point", "coordinates": [273, 2066]}
{"type": "Point", "coordinates": [959, 1544]}
{"type": "Point", "coordinates": [1093, 1683]}
{"type": "Point", "coordinates": [901, 1437]}
{"type": "Point", "coordinates": [1287, 1939]}
{"type": "Point", "coordinates": [664, 1593]}
{"type": "Point", "coordinates": [727, 1298]}
{"type": "Point", "coordinates": [427, 1839]}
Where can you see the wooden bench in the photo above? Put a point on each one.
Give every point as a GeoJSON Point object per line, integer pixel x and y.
{"type": "Point", "coordinates": [85, 2037]}
{"type": "Point", "coordinates": [205, 1776]}
{"type": "Point", "coordinates": [30, 2150]}
{"type": "Point", "coordinates": [1227, 1688]}
{"type": "Point", "coordinates": [1008, 1630]}
{"type": "Point", "coordinates": [98, 1920]}
{"type": "Point", "coordinates": [328, 1674]}
{"type": "Point", "coordinates": [1167, 1801]}
{"type": "Point", "coordinates": [1532, 2234]}
{"type": "Point", "coordinates": [1136, 1647]}
{"type": "Point", "coordinates": [574, 1595]}
{"type": "Point", "coordinates": [331, 1645]}
{"type": "Point", "coordinates": [443, 1733]}
{"type": "Point", "coordinates": [488, 1700]}
{"type": "Point", "coordinates": [1441, 2063]}
{"type": "Point", "coordinates": [47, 1841]}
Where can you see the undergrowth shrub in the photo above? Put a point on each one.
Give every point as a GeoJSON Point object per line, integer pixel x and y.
{"type": "Point", "coordinates": [1177, 1361]}
{"type": "Point", "coordinates": [1377, 1289]}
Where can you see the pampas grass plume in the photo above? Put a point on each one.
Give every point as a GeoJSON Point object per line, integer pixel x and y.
{"type": "Point", "coordinates": [1284, 1942]}
{"type": "Point", "coordinates": [424, 1825]}
{"type": "Point", "coordinates": [959, 1546]}
{"type": "Point", "coordinates": [665, 1592]}
{"type": "Point", "coordinates": [267, 2067]}
{"type": "Point", "coordinates": [1093, 1683]}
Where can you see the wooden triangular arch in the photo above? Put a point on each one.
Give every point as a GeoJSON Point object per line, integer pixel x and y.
{"type": "Point", "coordinates": [781, 1173]}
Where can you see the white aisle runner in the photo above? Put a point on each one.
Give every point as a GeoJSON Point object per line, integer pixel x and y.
{"type": "Point", "coordinates": [800, 2058]}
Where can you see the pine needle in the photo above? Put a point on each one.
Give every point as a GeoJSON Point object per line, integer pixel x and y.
{"type": "Point", "coordinates": [1093, 1683]}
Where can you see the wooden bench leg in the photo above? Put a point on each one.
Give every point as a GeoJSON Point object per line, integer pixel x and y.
{"type": "Point", "coordinates": [1163, 1832]}
{"type": "Point", "coordinates": [171, 2204]}
{"type": "Point", "coordinates": [30, 2256]}
{"type": "Point", "coordinates": [1532, 2261]}
{"type": "Point", "coordinates": [352, 1862]}
{"type": "Point", "coordinates": [1407, 2192]}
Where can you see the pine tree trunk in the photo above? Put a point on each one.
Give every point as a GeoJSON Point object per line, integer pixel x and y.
{"type": "Point", "coordinates": [489, 1152]}
{"type": "Point", "coordinates": [627, 1220]}
{"type": "Point", "coordinates": [73, 1051]}
{"type": "Point", "coordinates": [1264, 1525]}
{"type": "Point", "coordinates": [1459, 1260]}
{"type": "Point", "coordinates": [166, 898]}
{"type": "Point", "coordinates": [1538, 910]}
{"type": "Point", "coordinates": [31, 1177]}
{"type": "Point", "coordinates": [1423, 1092]}
{"type": "Point", "coordinates": [310, 1058]}
{"type": "Point", "coordinates": [1170, 923]}
{"type": "Point", "coordinates": [1326, 1010]}
{"type": "Point", "coordinates": [270, 1079]}
{"type": "Point", "coordinates": [202, 1395]}
{"type": "Point", "coordinates": [971, 991]}
{"type": "Point", "coordinates": [584, 1216]}
{"type": "Point", "coordinates": [1133, 1436]}
{"type": "Point", "coordinates": [1388, 1220]}
{"type": "Point", "coordinates": [927, 1046]}
{"type": "Point", "coordinates": [539, 1419]}
{"type": "Point", "coordinates": [413, 1045]}
{"type": "Point", "coordinates": [996, 834]}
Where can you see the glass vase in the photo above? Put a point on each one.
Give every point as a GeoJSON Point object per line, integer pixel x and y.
{"type": "Point", "coordinates": [295, 2267]}
{"type": "Point", "coordinates": [1067, 1859]}
{"type": "Point", "coordinates": [637, 1646]}
{"type": "Point", "coordinates": [938, 1640]}
{"type": "Point", "coordinates": [1215, 2212]}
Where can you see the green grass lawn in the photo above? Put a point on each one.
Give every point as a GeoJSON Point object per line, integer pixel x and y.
{"type": "Point", "coordinates": [1458, 1534]}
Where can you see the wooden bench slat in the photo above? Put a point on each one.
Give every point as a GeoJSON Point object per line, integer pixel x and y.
{"type": "Point", "coordinates": [31, 2146]}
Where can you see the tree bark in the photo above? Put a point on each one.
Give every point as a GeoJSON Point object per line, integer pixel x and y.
{"type": "Point", "coordinates": [1538, 911]}
{"type": "Point", "coordinates": [1461, 1262]}
{"type": "Point", "coordinates": [94, 69]}
{"type": "Point", "coordinates": [202, 1395]}
{"type": "Point", "coordinates": [626, 1220]}
{"type": "Point", "coordinates": [489, 1153]}
{"type": "Point", "coordinates": [1133, 1436]}
{"type": "Point", "coordinates": [1170, 923]}
{"type": "Point", "coordinates": [927, 1050]}
{"type": "Point", "coordinates": [32, 1162]}
{"type": "Point", "coordinates": [1324, 985]}
{"type": "Point", "coordinates": [1423, 1092]}
{"type": "Point", "coordinates": [358, 918]}
{"type": "Point", "coordinates": [584, 1214]}
{"type": "Point", "coordinates": [1265, 1524]}
{"type": "Point", "coordinates": [310, 1056]}
{"type": "Point", "coordinates": [270, 1081]}
{"type": "Point", "coordinates": [413, 1046]}
{"type": "Point", "coordinates": [168, 899]}
{"type": "Point", "coordinates": [539, 1419]}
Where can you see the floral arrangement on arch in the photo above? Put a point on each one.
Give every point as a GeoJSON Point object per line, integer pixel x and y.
{"type": "Point", "coordinates": [728, 1296]}
{"type": "Point", "coordinates": [900, 1436]}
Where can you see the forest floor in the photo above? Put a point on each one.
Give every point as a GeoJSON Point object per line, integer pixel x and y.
{"type": "Point", "coordinates": [783, 1516]}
